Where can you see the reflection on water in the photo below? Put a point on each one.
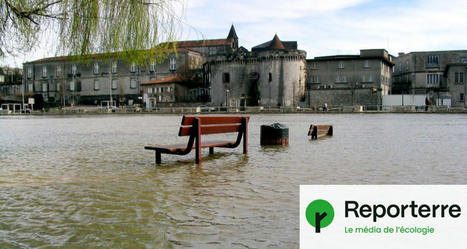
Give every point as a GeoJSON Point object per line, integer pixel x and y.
{"type": "Point", "coordinates": [87, 181]}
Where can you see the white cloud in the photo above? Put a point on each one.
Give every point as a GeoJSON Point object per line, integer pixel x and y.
{"type": "Point", "coordinates": [330, 27]}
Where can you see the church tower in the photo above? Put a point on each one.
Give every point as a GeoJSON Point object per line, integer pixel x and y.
{"type": "Point", "coordinates": [233, 37]}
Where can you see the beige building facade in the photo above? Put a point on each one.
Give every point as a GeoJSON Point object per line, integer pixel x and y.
{"type": "Point", "coordinates": [457, 84]}
{"type": "Point", "coordinates": [344, 80]}
{"type": "Point", "coordinates": [422, 72]}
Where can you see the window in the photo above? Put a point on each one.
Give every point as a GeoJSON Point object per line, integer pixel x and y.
{"type": "Point", "coordinates": [341, 64]}
{"type": "Point", "coordinates": [169, 89]}
{"type": "Point", "coordinates": [44, 87]}
{"type": "Point", "coordinates": [458, 77]}
{"type": "Point", "coordinates": [461, 97]}
{"type": "Point", "coordinates": [74, 69]}
{"type": "Point", "coordinates": [31, 87]}
{"type": "Point", "coordinates": [132, 83]}
{"type": "Point", "coordinates": [226, 77]}
{"type": "Point", "coordinates": [366, 64]}
{"type": "Point", "coordinates": [173, 64]}
{"type": "Point", "coordinates": [114, 84]}
{"type": "Point", "coordinates": [150, 90]}
{"type": "Point", "coordinates": [407, 66]}
{"type": "Point", "coordinates": [58, 70]}
{"type": "Point", "coordinates": [114, 67]}
{"type": "Point", "coordinates": [270, 77]}
{"type": "Point", "coordinates": [133, 67]}
{"type": "Point", "coordinates": [315, 79]}
{"type": "Point", "coordinates": [96, 85]}
{"type": "Point", "coordinates": [432, 61]}
{"type": "Point", "coordinates": [341, 79]}
{"type": "Point", "coordinates": [432, 79]}
{"type": "Point", "coordinates": [152, 67]}
{"type": "Point", "coordinates": [314, 65]}
{"type": "Point", "coordinates": [72, 86]}
{"type": "Point", "coordinates": [78, 86]}
{"type": "Point", "coordinates": [29, 72]}
{"type": "Point", "coordinates": [96, 68]}
{"type": "Point", "coordinates": [368, 78]}
{"type": "Point", "coordinates": [212, 50]}
{"type": "Point", "coordinates": [44, 71]}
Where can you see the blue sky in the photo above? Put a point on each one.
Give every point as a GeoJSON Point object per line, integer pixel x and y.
{"type": "Point", "coordinates": [335, 26]}
{"type": "Point", "coordinates": [325, 27]}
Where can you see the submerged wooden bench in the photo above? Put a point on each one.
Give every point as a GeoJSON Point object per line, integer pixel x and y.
{"type": "Point", "coordinates": [318, 130]}
{"type": "Point", "coordinates": [195, 126]}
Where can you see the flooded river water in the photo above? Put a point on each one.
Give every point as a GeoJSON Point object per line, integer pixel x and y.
{"type": "Point", "coordinates": [86, 181]}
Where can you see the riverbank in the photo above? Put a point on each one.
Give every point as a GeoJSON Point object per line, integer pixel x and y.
{"type": "Point", "coordinates": [91, 110]}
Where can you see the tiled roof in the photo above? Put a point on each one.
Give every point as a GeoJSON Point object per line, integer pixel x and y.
{"type": "Point", "coordinates": [100, 56]}
{"type": "Point", "coordinates": [277, 44]}
{"type": "Point", "coordinates": [203, 43]}
{"type": "Point", "coordinates": [175, 78]}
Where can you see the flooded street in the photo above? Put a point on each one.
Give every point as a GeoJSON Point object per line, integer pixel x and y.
{"type": "Point", "coordinates": [86, 181]}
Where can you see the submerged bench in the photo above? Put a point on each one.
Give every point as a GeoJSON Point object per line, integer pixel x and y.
{"type": "Point", "coordinates": [196, 126]}
{"type": "Point", "coordinates": [319, 130]}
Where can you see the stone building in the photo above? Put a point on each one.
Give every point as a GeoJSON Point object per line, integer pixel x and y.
{"type": "Point", "coordinates": [64, 81]}
{"type": "Point", "coordinates": [177, 89]}
{"type": "Point", "coordinates": [10, 84]}
{"type": "Point", "coordinates": [213, 48]}
{"type": "Point", "coordinates": [422, 72]}
{"type": "Point", "coordinates": [455, 74]}
{"type": "Point", "coordinates": [272, 74]}
{"type": "Point", "coordinates": [344, 80]}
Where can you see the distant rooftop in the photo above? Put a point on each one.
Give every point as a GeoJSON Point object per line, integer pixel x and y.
{"type": "Point", "coordinates": [275, 44]}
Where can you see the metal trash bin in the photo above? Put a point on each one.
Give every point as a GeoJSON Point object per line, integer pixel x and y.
{"type": "Point", "coordinates": [274, 134]}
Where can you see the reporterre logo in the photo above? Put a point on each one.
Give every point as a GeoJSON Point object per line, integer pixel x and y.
{"type": "Point", "coordinates": [319, 214]}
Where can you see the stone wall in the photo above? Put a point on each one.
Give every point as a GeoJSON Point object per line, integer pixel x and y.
{"type": "Point", "coordinates": [343, 97]}
{"type": "Point", "coordinates": [266, 80]}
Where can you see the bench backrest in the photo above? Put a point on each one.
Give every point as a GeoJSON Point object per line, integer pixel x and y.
{"type": "Point", "coordinates": [320, 130]}
{"type": "Point", "coordinates": [212, 124]}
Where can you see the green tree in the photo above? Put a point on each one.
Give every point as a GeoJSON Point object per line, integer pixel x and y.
{"type": "Point", "coordinates": [140, 28]}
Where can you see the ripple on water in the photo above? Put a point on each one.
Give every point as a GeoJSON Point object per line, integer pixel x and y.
{"type": "Point", "coordinates": [86, 181]}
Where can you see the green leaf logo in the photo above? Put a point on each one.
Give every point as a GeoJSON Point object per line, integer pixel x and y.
{"type": "Point", "coordinates": [319, 214]}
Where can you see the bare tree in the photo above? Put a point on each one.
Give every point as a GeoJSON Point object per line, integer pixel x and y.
{"type": "Point", "coordinates": [140, 28]}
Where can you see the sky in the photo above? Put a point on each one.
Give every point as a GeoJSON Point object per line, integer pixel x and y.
{"type": "Point", "coordinates": [325, 27]}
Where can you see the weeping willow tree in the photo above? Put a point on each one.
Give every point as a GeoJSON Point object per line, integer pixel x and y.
{"type": "Point", "coordinates": [137, 29]}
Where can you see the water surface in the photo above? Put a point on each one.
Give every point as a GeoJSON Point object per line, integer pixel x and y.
{"type": "Point", "coordinates": [86, 181]}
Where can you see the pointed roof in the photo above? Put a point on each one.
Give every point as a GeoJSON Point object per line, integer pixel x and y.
{"type": "Point", "coordinates": [276, 43]}
{"type": "Point", "coordinates": [232, 33]}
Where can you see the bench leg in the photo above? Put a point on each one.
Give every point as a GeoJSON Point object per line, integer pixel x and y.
{"type": "Point", "coordinates": [211, 150]}
{"type": "Point", "coordinates": [158, 157]}
{"type": "Point", "coordinates": [245, 135]}
{"type": "Point", "coordinates": [198, 155]}
{"type": "Point", "coordinates": [197, 127]}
